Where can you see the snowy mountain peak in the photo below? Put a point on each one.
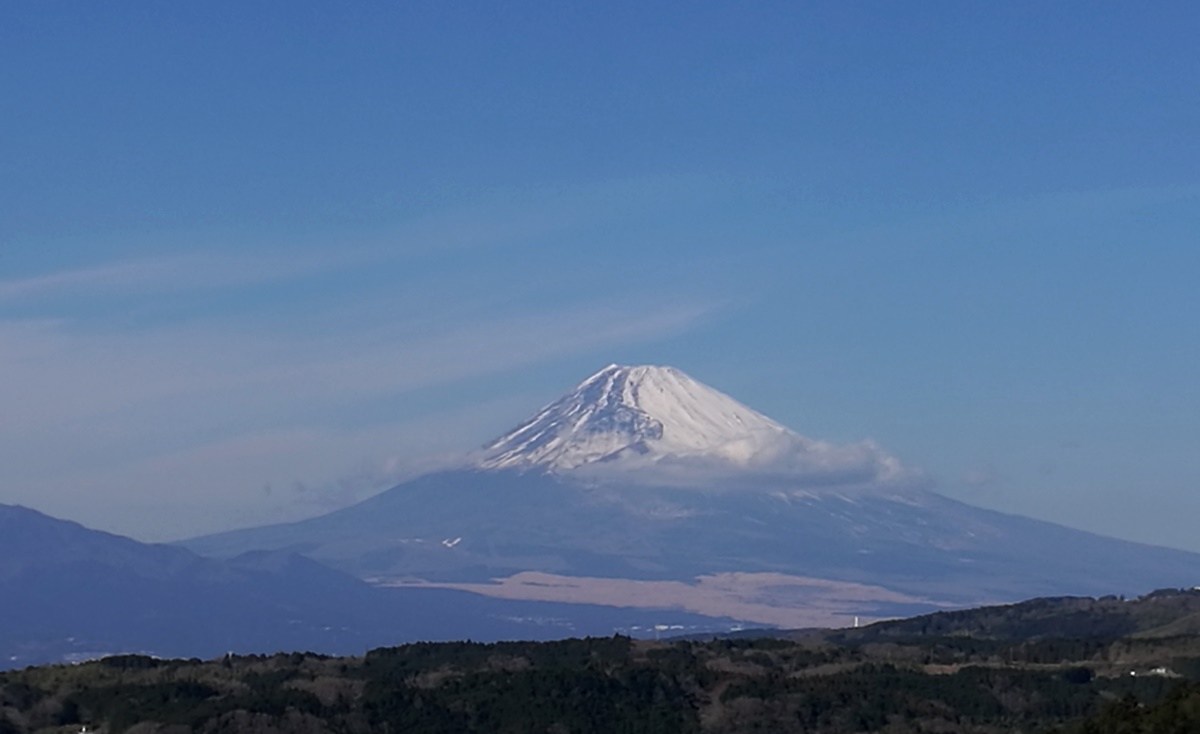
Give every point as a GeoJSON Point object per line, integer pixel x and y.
{"type": "Point", "coordinates": [640, 414]}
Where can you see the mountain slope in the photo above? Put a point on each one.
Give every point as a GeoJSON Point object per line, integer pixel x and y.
{"type": "Point", "coordinates": [71, 590]}
{"type": "Point", "coordinates": [459, 526]}
{"type": "Point", "coordinates": [642, 473]}
{"type": "Point", "coordinates": [68, 592]}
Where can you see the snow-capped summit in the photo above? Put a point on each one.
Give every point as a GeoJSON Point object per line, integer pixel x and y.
{"type": "Point", "coordinates": [645, 412]}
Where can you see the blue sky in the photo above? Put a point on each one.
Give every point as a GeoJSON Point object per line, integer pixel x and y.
{"type": "Point", "coordinates": [259, 259]}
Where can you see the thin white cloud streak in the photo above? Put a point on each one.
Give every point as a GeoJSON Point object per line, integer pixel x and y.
{"type": "Point", "coordinates": [100, 414]}
{"type": "Point", "coordinates": [56, 376]}
{"type": "Point", "coordinates": [149, 276]}
{"type": "Point", "coordinates": [523, 215]}
{"type": "Point", "coordinates": [122, 275]}
{"type": "Point", "coordinates": [504, 219]}
{"type": "Point", "coordinates": [88, 415]}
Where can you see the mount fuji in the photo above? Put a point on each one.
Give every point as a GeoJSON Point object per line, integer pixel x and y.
{"type": "Point", "coordinates": [656, 423]}
{"type": "Point", "coordinates": [645, 488]}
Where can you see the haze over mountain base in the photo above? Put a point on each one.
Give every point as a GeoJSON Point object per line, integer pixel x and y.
{"type": "Point", "coordinates": [642, 487]}
{"type": "Point", "coordinates": [68, 593]}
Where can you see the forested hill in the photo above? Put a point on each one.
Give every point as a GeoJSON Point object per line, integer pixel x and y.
{"type": "Point", "coordinates": [1163, 613]}
{"type": "Point", "coordinates": [1092, 683]}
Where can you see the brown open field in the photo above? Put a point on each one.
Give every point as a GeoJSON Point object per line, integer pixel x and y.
{"type": "Point", "coordinates": [764, 598]}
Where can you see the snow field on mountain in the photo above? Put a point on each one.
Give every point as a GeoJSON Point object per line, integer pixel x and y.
{"type": "Point", "coordinates": [664, 425]}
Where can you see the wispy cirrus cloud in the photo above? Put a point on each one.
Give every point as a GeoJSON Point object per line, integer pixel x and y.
{"type": "Point", "coordinates": [113, 276]}
{"type": "Point", "coordinates": [501, 219]}
{"type": "Point", "coordinates": [193, 375]}
{"type": "Point", "coordinates": [64, 374]}
{"type": "Point", "coordinates": [95, 414]}
{"type": "Point", "coordinates": [153, 275]}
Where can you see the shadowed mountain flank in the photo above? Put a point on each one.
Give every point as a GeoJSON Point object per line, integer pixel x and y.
{"type": "Point", "coordinates": [645, 474]}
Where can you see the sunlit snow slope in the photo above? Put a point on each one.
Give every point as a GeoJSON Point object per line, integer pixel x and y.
{"type": "Point", "coordinates": [646, 412]}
